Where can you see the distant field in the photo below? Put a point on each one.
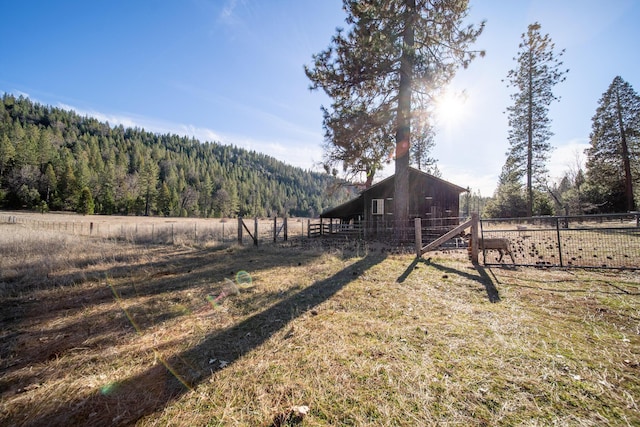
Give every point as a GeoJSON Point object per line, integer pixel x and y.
{"type": "Point", "coordinates": [110, 332]}
{"type": "Point", "coordinates": [136, 229]}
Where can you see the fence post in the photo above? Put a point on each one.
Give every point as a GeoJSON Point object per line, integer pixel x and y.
{"type": "Point", "coordinates": [255, 232]}
{"type": "Point", "coordinates": [559, 243]}
{"type": "Point", "coordinates": [239, 230]}
{"type": "Point", "coordinates": [475, 235]}
{"type": "Point", "coordinates": [286, 231]}
{"type": "Point", "coordinates": [275, 228]}
{"type": "Point", "coordinates": [418, 227]}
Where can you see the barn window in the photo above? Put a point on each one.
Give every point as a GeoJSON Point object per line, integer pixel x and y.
{"type": "Point", "coordinates": [377, 206]}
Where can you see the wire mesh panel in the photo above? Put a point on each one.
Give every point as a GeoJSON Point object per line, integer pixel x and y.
{"type": "Point", "coordinates": [601, 241]}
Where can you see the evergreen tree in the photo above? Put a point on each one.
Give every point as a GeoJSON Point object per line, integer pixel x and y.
{"type": "Point", "coordinates": [68, 186]}
{"type": "Point", "coordinates": [613, 160]}
{"type": "Point", "coordinates": [537, 72]}
{"type": "Point", "coordinates": [508, 200]}
{"type": "Point", "coordinates": [85, 202]}
{"type": "Point", "coordinates": [148, 182]}
{"type": "Point", "coordinates": [382, 74]}
{"type": "Point", "coordinates": [7, 154]}
{"type": "Point", "coordinates": [164, 200]}
{"type": "Point", "coordinates": [49, 183]}
{"type": "Point", "coordinates": [421, 148]}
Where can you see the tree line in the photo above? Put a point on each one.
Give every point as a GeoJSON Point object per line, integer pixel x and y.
{"type": "Point", "coordinates": [609, 180]}
{"type": "Point", "coordinates": [384, 70]}
{"type": "Point", "coordinates": [54, 159]}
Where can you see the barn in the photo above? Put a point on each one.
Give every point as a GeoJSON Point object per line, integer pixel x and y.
{"type": "Point", "coordinates": [431, 198]}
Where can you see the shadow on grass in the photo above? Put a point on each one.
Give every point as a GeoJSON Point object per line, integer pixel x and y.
{"type": "Point", "coordinates": [47, 324]}
{"type": "Point", "coordinates": [483, 277]}
{"type": "Point", "coordinates": [584, 286]}
{"type": "Point", "coordinates": [157, 386]}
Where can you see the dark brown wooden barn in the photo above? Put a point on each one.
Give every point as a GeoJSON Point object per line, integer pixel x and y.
{"type": "Point", "coordinates": [431, 198]}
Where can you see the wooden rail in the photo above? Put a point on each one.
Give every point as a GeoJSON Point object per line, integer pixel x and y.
{"type": "Point", "coordinates": [473, 223]}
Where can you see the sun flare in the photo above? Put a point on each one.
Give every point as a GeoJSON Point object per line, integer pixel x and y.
{"type": "Point", "coordinates": [451, 108]}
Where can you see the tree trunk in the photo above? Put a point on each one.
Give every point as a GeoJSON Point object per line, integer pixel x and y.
{"type": "Point", "coordinates": [626, 163]}
{"type": "Point", "coordinates": [530, 139]}
{"type": "Point", "coordinates": [403, 128]}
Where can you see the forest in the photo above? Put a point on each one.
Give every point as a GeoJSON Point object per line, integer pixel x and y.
{"type": "Point", "coordinates": [54, 159]}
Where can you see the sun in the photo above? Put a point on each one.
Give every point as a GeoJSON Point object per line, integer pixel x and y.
{"type": "Point", "coordinates": [451, 108]}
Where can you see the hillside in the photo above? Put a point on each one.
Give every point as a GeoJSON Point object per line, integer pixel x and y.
{"type": "Point", "coordinates": [54, 159]}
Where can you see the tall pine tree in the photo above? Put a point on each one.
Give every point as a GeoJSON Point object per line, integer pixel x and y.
{"type": "Point", "coordinates": [537, 72]}
{"type": "Point", "coordinates": [613, 160]}
{"type": "Point", "coordinates": [382, 75]}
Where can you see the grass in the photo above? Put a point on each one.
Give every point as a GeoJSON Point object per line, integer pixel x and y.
{"type": "Point", "coordinates": [99, 332]}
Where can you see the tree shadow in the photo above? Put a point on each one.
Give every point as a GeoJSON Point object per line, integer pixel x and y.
{"type": "Point", "coordinates": [482, 277]}
{"type": "Point", "coordinates": [544, 285]}
{"type": "Point", "coordinates": [50, 324]}
{"type": "Point", "coordinates": [162, 383]}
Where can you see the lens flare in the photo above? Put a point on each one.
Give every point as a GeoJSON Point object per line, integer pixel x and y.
{"type": "Point", "coordinates": [243, 279]}
{"type": "Point", "coordinates": [109, 388]}
{"type": "Point", "coordinates": [229, 288]}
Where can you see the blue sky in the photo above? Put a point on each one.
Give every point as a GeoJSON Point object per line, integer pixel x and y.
{"type": "Point", "coordinates": [232, 71]}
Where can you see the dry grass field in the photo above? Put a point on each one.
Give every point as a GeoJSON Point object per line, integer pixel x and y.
{"type": "Point", "coordinates": [108, 332]}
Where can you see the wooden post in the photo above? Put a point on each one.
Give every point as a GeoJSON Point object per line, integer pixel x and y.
{"type": "Point", "coordinates": [255, 232]}
{"type": "Point", "coordinates": [286, 232]}
{"type": "Point", "coordinates": [91, 229]}
{"type": "Point", "coordinates": [275, 228]}
{"type": "Point", "coordinates": [475, 235]}
{"type": "Point", "coordinates": [418, 226]}
{"type": "Point", "coordinates": [239, 230]}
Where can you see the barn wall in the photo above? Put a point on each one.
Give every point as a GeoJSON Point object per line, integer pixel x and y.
{"type": "Point", "coordinates": [429, 199]}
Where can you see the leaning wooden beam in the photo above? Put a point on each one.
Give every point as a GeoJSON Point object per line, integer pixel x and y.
{"type": "Point", "coordinates": [449, 235]}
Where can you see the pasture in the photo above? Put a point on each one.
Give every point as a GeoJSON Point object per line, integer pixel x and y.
{"type": "Point", "coordinates": [102, 331]}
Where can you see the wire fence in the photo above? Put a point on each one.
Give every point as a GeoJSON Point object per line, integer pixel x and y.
{"type": "Point", "coordinates": [390, 232]}
{"type": "Point", "coordinates": [165, 231]}
{"type": "Point", "coordinates": [597, 241]}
